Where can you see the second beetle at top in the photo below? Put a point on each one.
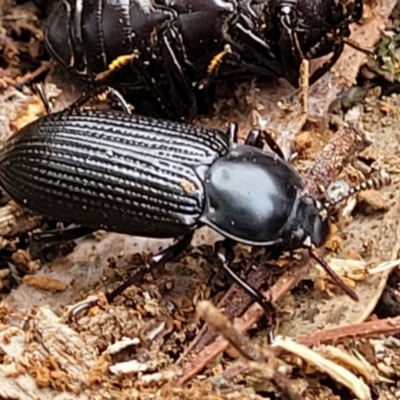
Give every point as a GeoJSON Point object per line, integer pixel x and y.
{"type": "Point", "coordinates": [174, 50]}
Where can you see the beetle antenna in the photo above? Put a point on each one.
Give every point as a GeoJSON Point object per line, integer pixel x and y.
{"type": "Point", "coordinates": [372, 183]}
{"type": "Point", "coordinates": [333, 275]}
{"type": "Point", "coordinates": [369, 51]}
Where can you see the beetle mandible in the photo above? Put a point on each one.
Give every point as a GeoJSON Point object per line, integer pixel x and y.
{"type": "Point", "coordinates": [175, 49]}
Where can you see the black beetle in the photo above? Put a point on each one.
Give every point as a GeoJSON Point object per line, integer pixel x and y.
{"type": "Point", "coordinates": [175, 49]}
{"type": "Point", "coordinates": [155, 178]}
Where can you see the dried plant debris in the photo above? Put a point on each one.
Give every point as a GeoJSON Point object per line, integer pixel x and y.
{"type": "Point", "coordinates": [21, 47]}
{"type": "Point", "coordinates": [149, 343]}
{"type": "Point", "coordinates": [386, 66]}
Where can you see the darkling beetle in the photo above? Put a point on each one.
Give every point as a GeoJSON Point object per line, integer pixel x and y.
{"type": "Point", "coordinates": [155, 178]}
{"type": "Point", "coordinates": [175, 49]}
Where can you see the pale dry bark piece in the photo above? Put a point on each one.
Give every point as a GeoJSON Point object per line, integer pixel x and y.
{"type": "Point", "coordinates": [14, 220]}
{"type": "Point", "coordinates": [24, 387]}
{"type": "Point", "coordinates": [355, 362]}
{"type": "Point", "coordinates": [336, 371]}
{"type": "Point", "coordinates": [55, 340]}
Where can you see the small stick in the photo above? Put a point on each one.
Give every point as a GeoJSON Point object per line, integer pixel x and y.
{"type": "Point", "coordinates": [30, 76]}
{"type": "Point", "coordinates": [267, 363]}
{"type": "Point", "coordinates": [218, 322]}
{"type": "Point", "coordinates": [304, 85]}
{"type": "Point", "coordinates": [388, 326]}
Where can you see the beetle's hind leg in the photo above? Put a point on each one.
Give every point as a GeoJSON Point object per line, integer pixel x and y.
{"type": "Point", "coordinates": [156, 261]}
{"type": "Point", "coordinates": [255, 138]}
{"type": "Point", "coordinates": [42, 243]}
{"type": "Point", "coordinates": [43, 97]}
{"type": "Point", "coordinates": [325, 67]}
{"type": "Point", "coordinates": [86, 97]}
{"type": "Point", "coordinates": [61, 235]}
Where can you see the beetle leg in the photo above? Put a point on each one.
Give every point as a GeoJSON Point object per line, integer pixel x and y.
{"type": "Point", "coordinates": [41, 243]}
{"type": "Point", "coordinates": [272, 143]}
{"type": "Point", "coordinates": [214, 66]}
{"type": "Point", "coordinates": [253, 139]}
{"type": "Point", "coordinates": [155, 88]}
{"type": "Point", "coordinates": [120, 99]}
{"type": "Point", "coordinates": [258, 48]}
{"type": "Point", "coordinates": [61, 235]}
{"type": "Point", "coordinates": [181, 89]}
{"type": "Point", "coordinates": [232, 133]}
{"type": "Point", "coordinates": [156, 261]}
{"type": "Point", "coordinates": [324, 68]}
{"type": "Point", "coordinates": [258, 137]}
{"type": "Point", "coordinates": [225, 254]}
{"type": "Point", "coordinates": [116, 65]}
{"type": "Point", "coordinates": [84, 98]}
{"type": "Point", "coordinates": [176, 80]}
{"type": "Point", "coordinates": [96, 92]}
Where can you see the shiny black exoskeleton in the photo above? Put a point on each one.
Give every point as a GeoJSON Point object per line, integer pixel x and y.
{"type": "Point", "coordinates": [177, 48]}
{"type": "Point", "coordinates": [160, 179]}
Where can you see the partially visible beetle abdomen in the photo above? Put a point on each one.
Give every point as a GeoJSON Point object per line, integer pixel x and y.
{"type": "Point", "coordinates": [250, 196]}
{"type": "Point", "coordinates": [113, 171]}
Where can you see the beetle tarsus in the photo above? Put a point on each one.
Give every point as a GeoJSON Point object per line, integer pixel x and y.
{"type": "Point", "coordinates": [42, 244]}
{"type": "Point", "coordinates": [326, 66]}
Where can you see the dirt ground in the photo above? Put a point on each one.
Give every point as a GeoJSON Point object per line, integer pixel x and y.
{"type": "Point", "coordinates": [154, 341]}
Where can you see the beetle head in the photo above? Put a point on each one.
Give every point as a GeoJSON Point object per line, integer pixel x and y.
{"type": "Point", "coordinates": [320, 226]}
{"type": "Point", "coordinates": [314, 217]}
{"type": "Point", "coordinates": [310, 224]}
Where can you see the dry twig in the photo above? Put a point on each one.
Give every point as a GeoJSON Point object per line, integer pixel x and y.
{"type": "Point", "coordinates": [271, 366]}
